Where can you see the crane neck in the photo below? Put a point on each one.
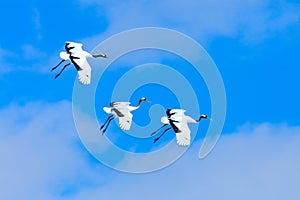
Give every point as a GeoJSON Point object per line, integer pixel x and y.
{"type": "Point", "coordinates": [139, 103]}
{"type": "Point", "coordinates": [99, 55]}
{"type": "Point", "coordinates": [198, 120]}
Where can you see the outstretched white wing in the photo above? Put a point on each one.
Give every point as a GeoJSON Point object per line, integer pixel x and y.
{"type": "Point", "coordinates": [183, 133]}
{"type": "Point", "coordinates": [176, 117]}
{"type": "Point", "coordinates": [121, 111]}
{"type": "Point", "coordinates": [78, 58]}
{"type": "Point", "coordinates": [125, 122]}
{"type": "Point", "coordinates": [84, 73]}
{"type": "Point", "coordinates": [73, 47]}
{"type": "Point", "coordinates": [183, 138]}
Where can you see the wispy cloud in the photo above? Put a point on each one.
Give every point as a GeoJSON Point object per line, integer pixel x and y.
{"type": "Point", "coordinates": [28, 58]}
{"type": "Point", "coordinates": [30, 52]}
{"type": "Point", "coordinates": [5, 55]}
{"type": "Point", "coordinates": [251, 20]}
{"type": "Point", "coordinates": [37, 23]}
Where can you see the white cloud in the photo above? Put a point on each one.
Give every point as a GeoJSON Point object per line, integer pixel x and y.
{"type": "Point", "coordinates": [257, 162]}
{"type": "Point", "coordinates": [41, 155]}
{"type": "Point", "coordinates": [42, 158]}
{"type": "Point", "coordinates": [252, 20]}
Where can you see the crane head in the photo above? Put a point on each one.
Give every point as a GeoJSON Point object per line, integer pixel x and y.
{"type": "Point", "coordinates": [102, 55]}
{"type": "Point", "coordinates": [205, 116]}
{"type": "Point", "coordinates": [145, 99]}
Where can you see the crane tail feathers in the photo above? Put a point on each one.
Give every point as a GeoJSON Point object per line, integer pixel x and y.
{"type": "Point", "coordinates": [64, 55]}
{"type": "Point", "coordinates": [107, 110]}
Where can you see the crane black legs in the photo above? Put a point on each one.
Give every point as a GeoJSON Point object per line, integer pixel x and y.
{"type": "Point", "coordinates": [107, 122]}
{"type": "Point", "coordinates": [57, 75]}
{"type": "Point", "coordinates": [103, 131]}
{"type": "Point", "coordinates": [57, 64]}
{"type": "Point", "coordinates": [155, 140]}
{"type": "Point", "coordinates": [158, 129]}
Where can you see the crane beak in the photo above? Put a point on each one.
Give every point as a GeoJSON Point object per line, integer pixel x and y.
{"type": "Point", "coordinates": [147, 100]}
{"type": "Point", "coordinates": [101, 55]}
{"type": "Point", "coordinates": [209, 118]}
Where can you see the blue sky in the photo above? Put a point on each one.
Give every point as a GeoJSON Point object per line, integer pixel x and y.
{"type": "Point", "coordinates": [255, 45]}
